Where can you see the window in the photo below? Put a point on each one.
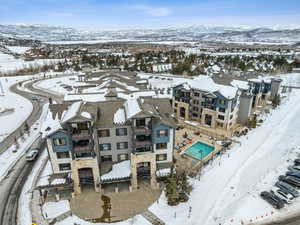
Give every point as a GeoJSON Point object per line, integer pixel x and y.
{"type": "Point", "coordinates": [162, 133]}
{"type": "Point", "coordinates": [161, 145]}
{"type": "Point", "coordinates": [196, 94]}
{"type": "Point", "coordinates": [195, 115]}
{"type": "Point", "coordinates": [62, 155]}
{"type": "Point", "coordinates": [122, 157]}
{"type": "Point", "coordinates": [231, 116]}
{"type": "Point", "coordinates": [222, 110]}
{"type": "Point", "coordinates": [121, 131]}
{"type": "Point", "coordinates": [175, 111]}
{"type": "Point", "coordinates": [106, 158]}
{"type": "Point", "coordinates": [140, 122]}
{"type": "Point", "coordinates": [196, 102]}
{"type": "Point", "coordinates": [219, 124]}
{"type": "Point", "coordinates": [122, 145]}
{"type": "Point", "coordinates": [161, 157]}
{"type": "Point", "coordinates": [175, 104]}
{"type": "Point", "coordinates": [105, 147]}
{"type": "Point", "coordinates": [195, 109]}
{"type": "Point", "coordinates": [104, 133]}
{"type": "Point", "coordinates": [220, 117]}
{"type": "Point", "coordinates": [59, 141]}
{"type": "Point", "coordinates": [222, 102]}
{"type": "Point", "coordinates": [64, 166]}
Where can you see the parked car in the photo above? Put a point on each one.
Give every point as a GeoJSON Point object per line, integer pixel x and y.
{"type": "Point", "coordinates": [287, 188]}
{"type": "Point", "coordinates": [287, 198]}
{"type": "Point", "coordinates": [272, 199]}
{"type": "Point", "coordinates": [289, 180]}
{"type": "Point", "coordinates": [297, 161]}
{"type": "Point", "coordinates": [292, 173]}
{"type": "Point", "coordinates": [32, 154]}
{"type": "Point", "coordinates": [294, 168]}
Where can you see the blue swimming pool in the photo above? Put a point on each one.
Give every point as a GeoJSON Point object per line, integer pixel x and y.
{"type": "Point", "coordinates": [199, 150]}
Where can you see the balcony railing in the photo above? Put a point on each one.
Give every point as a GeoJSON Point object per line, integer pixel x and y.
{"type": "Point", "coordinates": [142, 129]}
{"type": "Point", "coordinates": [142, 143]}
{"type": "Point", "coordinates": [84, 148]}
{"type": "Point", "coordinates": [79, 134]}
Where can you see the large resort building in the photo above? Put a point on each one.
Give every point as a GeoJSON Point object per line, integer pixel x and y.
{"type": "Point", "coordinates": [112, 139]}
{"type": "Point", "coordinates": [120, 126]}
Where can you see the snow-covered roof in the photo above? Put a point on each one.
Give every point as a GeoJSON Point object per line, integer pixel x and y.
{"type": "Point", "coordinates": [71, 112]}
{"type": "Point", "coordinates": [50, 125]}
{"type": "Point", "coordinates": [119, 116]}
{"type": "Point", "coordinates": [131, 107]}
{"type": "Point", "coordinates": [206, 83]}
{"type": "Point", "coordinates": [86, 115]}
{"type": "Point", "coordinates": [243, 85]}
{"type": "Point", "coordinates": [119, 170]}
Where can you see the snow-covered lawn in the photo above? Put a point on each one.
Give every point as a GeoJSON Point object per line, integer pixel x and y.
{"type": "Point", "coordinates": [55, 209]}
{"type": "Point", "coordinates": [21, 106]}
{"type": "Point", "coordinates": [10, 63]}
{"type": "Point", "coordinates": [18, 49]}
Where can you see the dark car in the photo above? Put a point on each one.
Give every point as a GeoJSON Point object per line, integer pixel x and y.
{"type": "Point", "coordinates": [276, 202]}
{"type": "Point", "coordinates": [297, 162]}
{"type": "Point", "coordinates": [289, 180]}
{"type": "Point", "coordinates": [288, 188]}
{"type": "Point", "coordinates": [294, 174]}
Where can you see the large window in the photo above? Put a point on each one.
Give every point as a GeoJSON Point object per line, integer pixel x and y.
{"type": "Point", "coordinates": [161, 157]}
{"type": "Point", "coordinates": [162, 133]}
{"type": "Point", "coordinates": [140, 122]}
{"type": "Point", "coordinates": [121, 131]}
{"type": "Point", "coordinates": [122, 145]}
{"type": "Point", "coordinates": [105, 147]}
{"type": "Point", "coordinates": [161, 146]}
{"type": "Point", "coordinates": [222, 110]}
{"type": "Point", "coordinates": [103, 133]}
{"type": "Point", "coordinates": [59, 141]}
{"type": "Point", "coordinates": [62, 155]}
{"type": "Point", "coordinates": [196, 94]}
{"type": "Point", "coordinates": [220, 117]}
{"type": "Point", "coordinates": [64, 166]}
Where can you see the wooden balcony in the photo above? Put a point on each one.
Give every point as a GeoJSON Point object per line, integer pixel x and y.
{"type": "Point", "coordinates": [80, 134]}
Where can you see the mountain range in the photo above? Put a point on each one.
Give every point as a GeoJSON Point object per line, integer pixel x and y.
{"type": "Point", "coordinates": [47, 33]}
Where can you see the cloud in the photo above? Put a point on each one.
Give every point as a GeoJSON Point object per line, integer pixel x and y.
{"type": "Point", "coordinates": [154, 11]}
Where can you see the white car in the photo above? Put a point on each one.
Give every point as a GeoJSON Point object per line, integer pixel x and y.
{"type": "Point", "coordinates": [288, 198]}
{"type": "Point", "coordinates": [32, 154]}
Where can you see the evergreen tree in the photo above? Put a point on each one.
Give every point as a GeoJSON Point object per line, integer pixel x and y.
{"type": "Point", "coordinates": [171, 190]}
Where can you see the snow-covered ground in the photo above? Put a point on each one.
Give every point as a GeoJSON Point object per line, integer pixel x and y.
{"type": "Point", "coordinates": [18, 49]}
{"type": "Point", "coordinates": [24, 210]}
{"type": "Point", "coordinates": [56, 85]}
{"type": "Point", "coordinates": [10, 63]}
{"type": "Point", "coordinates": [54, 209]}
{"type": "Point", "coordinates": [9, 158]}
{"type": "Point", "coordinates": [21, 106]}
{"type": "Point", "coordinates": [228, 190]}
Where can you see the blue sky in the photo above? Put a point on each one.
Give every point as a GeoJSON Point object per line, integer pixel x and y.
{"type": "Point", "coordinates": [120, 14]}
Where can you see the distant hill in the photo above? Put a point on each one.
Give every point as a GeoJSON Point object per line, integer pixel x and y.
{"type": "Point", "coordinates": [194, 33]}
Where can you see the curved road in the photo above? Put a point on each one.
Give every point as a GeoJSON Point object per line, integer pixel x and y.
{"type": "Point", "coordinates": [11, 186]}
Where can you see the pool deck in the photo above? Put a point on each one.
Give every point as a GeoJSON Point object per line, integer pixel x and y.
{"type": "Point", "coordinates": [187, 162]}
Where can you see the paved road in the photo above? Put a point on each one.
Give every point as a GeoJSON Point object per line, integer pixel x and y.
{"type": "Point", "coordinates": [35, 114]}
{"type": "Point", "coordinates": [11, 186]}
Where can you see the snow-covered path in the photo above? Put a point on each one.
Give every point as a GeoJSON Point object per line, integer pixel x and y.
{"type": "Point", "coordinates": [223, 189]}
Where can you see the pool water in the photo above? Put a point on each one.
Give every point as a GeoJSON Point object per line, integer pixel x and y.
{"type": "Point", "coordinates": [199, 150]}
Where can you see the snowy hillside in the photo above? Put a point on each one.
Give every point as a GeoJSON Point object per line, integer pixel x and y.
{"type": "Point", "coordinates": [192, 33]}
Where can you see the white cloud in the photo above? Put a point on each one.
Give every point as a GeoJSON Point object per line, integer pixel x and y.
{"type": "Point", "coordinates": [154, 11]}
